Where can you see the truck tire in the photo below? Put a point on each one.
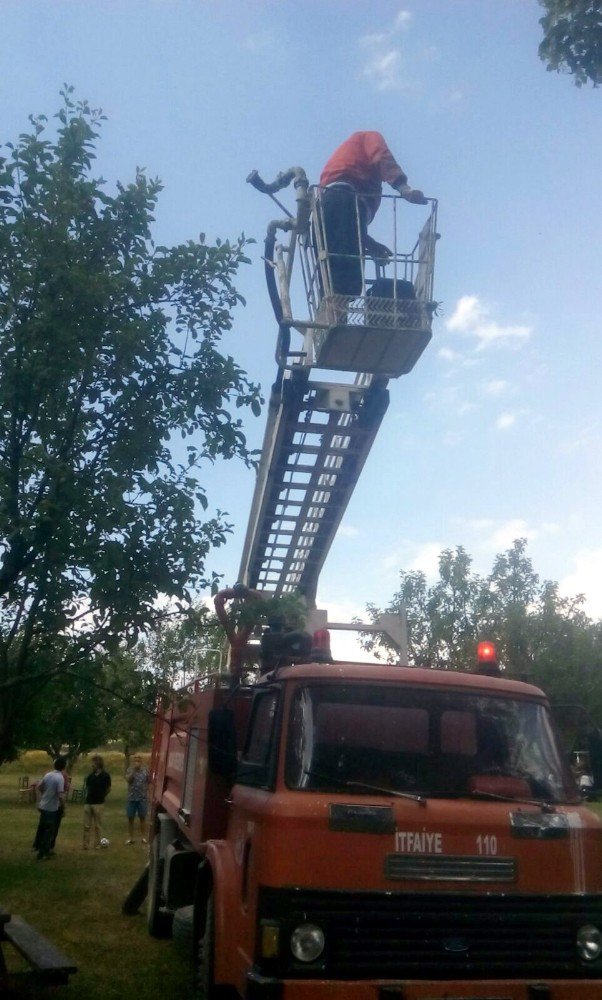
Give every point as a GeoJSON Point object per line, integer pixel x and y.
{"type": "Point", "coordinates": [158, 922]}
{"type": "Point", "coordinates": [182, 932]}
{"type": "Point", "coordinates": [204, 986]}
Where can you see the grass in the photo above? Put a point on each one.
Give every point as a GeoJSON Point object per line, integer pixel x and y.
{"type": "Point", "coordinates": [75, 899]}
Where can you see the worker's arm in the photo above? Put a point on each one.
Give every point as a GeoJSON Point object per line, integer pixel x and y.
{"type": "Point", "coordinates": [381, 156]}
{"type": "Point", "coordinates": [375, 249]}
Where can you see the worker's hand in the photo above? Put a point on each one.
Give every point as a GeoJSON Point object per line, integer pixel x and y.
{"type": "Point", "coordinates": [375, 249]}
{"type": "Point", "coordinates": [414, 196]}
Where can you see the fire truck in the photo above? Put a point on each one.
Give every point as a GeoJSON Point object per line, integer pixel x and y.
{"type": "Point", "coordinates": [336, 830]}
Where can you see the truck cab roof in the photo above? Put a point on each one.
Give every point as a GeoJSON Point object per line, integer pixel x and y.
{"type": "Point", "coordinates": [411, 676]}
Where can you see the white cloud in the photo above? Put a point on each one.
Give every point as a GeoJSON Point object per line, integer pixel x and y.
{"type": "Point", "coordinates": [474, 523]}
{"type": "Point", "coordinates": [347, 531]}
{"type": "Point", "coordinates": [453, 97]}
{"type": "Point", "coordinates": [586, 578]}
{"type": "Point", "coordinates": [550, 528]}
{"type": "Point", "coordinates": [384, 68]}
{"type": "Point", "coordinates": [585, 439]}
{"type": "Point", "coordinates": [495, 387]}
{"type": "Point", "coordinates": [467, 314]}
{"type": "Point", "coordinates": [451, 399]}
{"type": "Point", "coordinates": [471, 317]}
{"type": "Point", "coordinates": [504, 534]}
{"type": "Point", "coordinates": [377, 38]}
{"type": "Point", "coordinates": [446, 354]}
{"type": "Point", "coordinates": [426, 559]}
{"type": "Point", "coordinates": [501, 535]}
{"type": "Point", "coordinates": [403, 19]}
{"type": "Point", "coordinates": [395, 559]}
{"type": "Point", "coordinates": [505, 420]}
{"type": "Point", "coordinates": [384, 71]}
{"type": "Point", "coordinates": [451, 439]}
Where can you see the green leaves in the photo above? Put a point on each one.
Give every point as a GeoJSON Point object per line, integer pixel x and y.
{"type": "Point", "coordinates": [573, 39]}
{"type": "Point", "coordinates": [540, 636]}
{"type": "Point", "coordinates": [110, 351]}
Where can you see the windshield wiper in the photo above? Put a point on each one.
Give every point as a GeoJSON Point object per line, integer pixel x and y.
{"type": "Point", "coordinates": [336, 779]}
{"type": "Point", "coordinates": [544, 806]}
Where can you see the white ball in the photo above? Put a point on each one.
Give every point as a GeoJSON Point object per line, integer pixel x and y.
{"type": "Point", "coordinates": [104, 842]}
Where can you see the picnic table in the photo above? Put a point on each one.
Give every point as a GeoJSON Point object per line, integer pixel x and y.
{"type": "Point", "coordinates": [47, 965]}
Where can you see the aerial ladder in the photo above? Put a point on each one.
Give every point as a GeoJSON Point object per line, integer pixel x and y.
{"type": "Point", "coordinates": [319, 432]}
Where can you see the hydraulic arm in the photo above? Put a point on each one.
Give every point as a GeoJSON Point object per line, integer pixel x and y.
{"type": "Point", "coordinates": [319, 433]}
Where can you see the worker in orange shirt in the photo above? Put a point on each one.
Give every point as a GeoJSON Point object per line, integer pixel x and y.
{"type": "Point", "coordinates": [352, 188]}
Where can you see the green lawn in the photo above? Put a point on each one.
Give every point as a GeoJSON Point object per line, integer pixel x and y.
{"type": "Point", "coordinates": [75, 899]}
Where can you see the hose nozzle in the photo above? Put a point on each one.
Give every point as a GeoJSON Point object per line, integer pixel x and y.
{"type": "Point", "coordinates": [256, 181]}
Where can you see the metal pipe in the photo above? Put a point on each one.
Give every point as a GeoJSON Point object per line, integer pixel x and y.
{"type": "Point", "coordinates": [296, 174]}
{"type": "Point", "coordinates": [285, 299]}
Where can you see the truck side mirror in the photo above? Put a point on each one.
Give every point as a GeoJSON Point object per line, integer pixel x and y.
{"type": "Point", "coordinates": [221, 742]}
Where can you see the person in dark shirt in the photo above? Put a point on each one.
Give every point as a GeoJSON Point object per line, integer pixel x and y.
{"type": "Point", "coordinates": [351, 185]}
{"type": "Point", "coordinates": [98, 786]}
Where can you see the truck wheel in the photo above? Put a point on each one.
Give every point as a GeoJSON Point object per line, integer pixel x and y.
{"type": "Point", "coordinates": [205, 988]}
{"type": "Point", "coordinates": [182, 931]}
{"type": "Point", "coordinates": [158, 922]}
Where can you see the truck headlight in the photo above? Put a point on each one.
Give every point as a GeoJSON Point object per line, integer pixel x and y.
{"type": "Point", "coordinates": [589, 943]}
{"type": "Point", "coordinates": [307, 942]}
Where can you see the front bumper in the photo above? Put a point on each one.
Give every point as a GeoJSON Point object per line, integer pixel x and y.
{"type": "Point", "coordinates": [265, 988]}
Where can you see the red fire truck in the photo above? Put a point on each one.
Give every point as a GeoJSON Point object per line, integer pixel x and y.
{"type": "Point", "coordinates": [352, 831]}
{"type": "Point", "coordinates": [348, 830]}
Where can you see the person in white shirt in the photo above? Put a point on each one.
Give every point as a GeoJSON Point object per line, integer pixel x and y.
{"type": "Point", "coordinates": [51, 804]}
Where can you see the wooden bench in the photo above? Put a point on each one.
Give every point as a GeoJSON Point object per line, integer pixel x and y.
{"type": "Point", "coordinates": [48, 965]}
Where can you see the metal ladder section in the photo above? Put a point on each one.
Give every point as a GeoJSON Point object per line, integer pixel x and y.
{"type": "Point", "coordinates": [317, 438]}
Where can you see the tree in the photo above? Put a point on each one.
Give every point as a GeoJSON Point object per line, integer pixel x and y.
{"type": "Point", "coordinates": [541, 637]}
{"type": "Point", "coordinates": [129, 693]}
{"type": "Point", "coordinates": [109, 698]}
{"type": "Point", "coordinates": [109, 353]}
{"type": "Point", "coordinates": [175, 651]}
{"type": "Point", "coordinates": [68, 715]}
{"type": "Point", "coordinates": [573, 39]}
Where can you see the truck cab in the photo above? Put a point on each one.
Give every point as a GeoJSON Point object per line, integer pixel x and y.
{"type": "Point", "coordinates": [382, 831]}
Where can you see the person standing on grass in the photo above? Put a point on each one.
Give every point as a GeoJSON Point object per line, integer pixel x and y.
{"type": "Point", "coordinates": [51, 804]}
{"type": "Point", "coordinates": [137, 778]}
{"type": "Point", "coordinates": [98, 786]}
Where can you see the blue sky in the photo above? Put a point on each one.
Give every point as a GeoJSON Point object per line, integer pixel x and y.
{"type": "Point", "coordinates": [496, 432]}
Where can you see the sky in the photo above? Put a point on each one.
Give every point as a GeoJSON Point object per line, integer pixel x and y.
{"type": "Point", "coordinates": [495, 434]}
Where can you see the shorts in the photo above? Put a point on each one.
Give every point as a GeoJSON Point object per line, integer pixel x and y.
{"type": "Point", "coordinates": [136, 807]}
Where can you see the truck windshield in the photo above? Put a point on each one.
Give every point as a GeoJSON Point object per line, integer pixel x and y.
{"type": "Point", "coordinates": [425, 742]}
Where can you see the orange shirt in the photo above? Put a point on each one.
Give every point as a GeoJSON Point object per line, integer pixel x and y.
{"type": "Point", "coordinates": [364, 160]}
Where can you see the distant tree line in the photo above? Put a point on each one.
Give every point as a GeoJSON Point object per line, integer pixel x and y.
{"type": "Point", "coordinates": [541, 637]}
{"type": "Point", "coordinates": [115, 696]}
